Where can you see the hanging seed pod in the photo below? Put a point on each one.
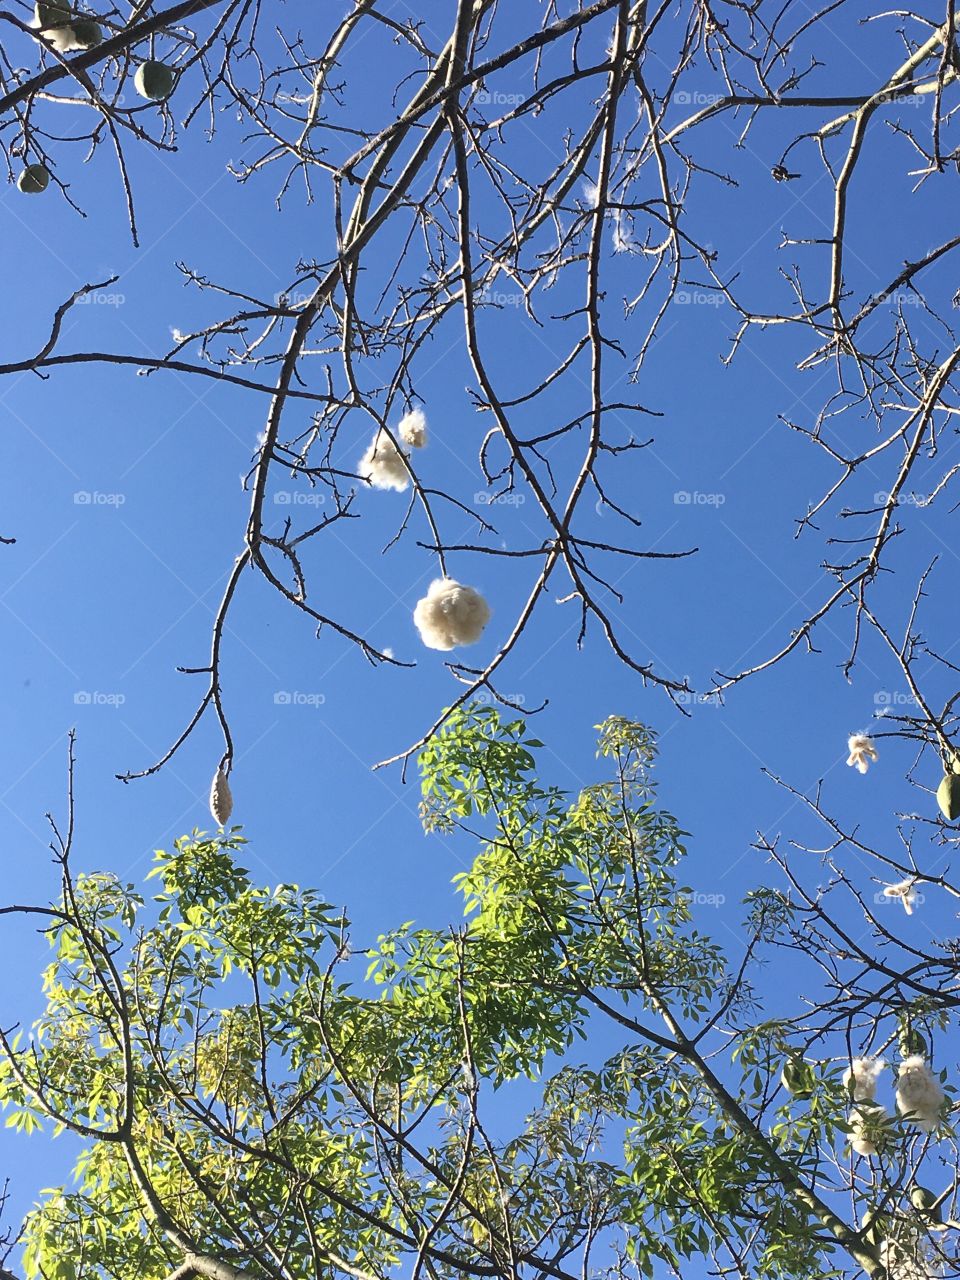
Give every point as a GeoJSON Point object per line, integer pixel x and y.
{"type": "Point", "coordinates": [34, 179]}
{"type": "Point", "coordinates": [948, 796]}
{"type": "Point", "coordinates": [51, 13]}
{"type": "Point", "coordinates": [797, 1078]}
{"type": "Point", "coordinates": [911, 1043]}
{"type": "Point", "coordinates": [153, 80]}
{"type": "Point", "coordinates": [221, 799]}
{"type": "Point", "coordinates": [87, 33]}
{"type": "Point", "coordinates": [873, 1227]}
{"type": "Point", "coordinates": [923, 1200]}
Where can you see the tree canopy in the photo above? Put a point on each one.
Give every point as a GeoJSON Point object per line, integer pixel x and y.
{"type": "Point", "coordinates": [575, 1079]}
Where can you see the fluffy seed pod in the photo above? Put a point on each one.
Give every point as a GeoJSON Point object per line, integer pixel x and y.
{"type": "Point", "coordinates": [63, 39]}
{"type": "Point", "coordinates": [905, 893]}
{"type": "Point", "coordinates": [948, 796]}
{"type": "Point", "coordinates": [412, 429]}
{"type": "Point", "coordinates": [869, 1128]}
{"type": "Point", "coordinates": [153, 80]}
{"type": "Point", "coordinates": [860, 1078]}
{"type": "Point", "coordinates": [450, 614]}
{"type": "Point", "coordinates": [920, 1095]}
{"type": "Point", "coordinates": [862, 751]}
{"type": "Point", "coordinates": [221, 799]}
{"type": "Point", "coordinates": [34, 179]}
{"type": "Point", "coordinates": [383, 465]}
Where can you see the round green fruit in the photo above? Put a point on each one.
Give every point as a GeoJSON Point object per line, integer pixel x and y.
{"type": "Point", "coordinates": [52, 13]}
{"type": "Point", "coordinates": [34, 179]}
{"type": "Point", "coordinates": [923, 1200]}
{"type": "Point", "coordinates": [797, 1078]}
{"type": "Point", "coordinates": [87, 33]}
{"type": "Point", "coordinates": [872, 1227]}
{"type": "Point", "coordinates": [153, 80]}
{"type": "Point", "coordinates": [948, 796]}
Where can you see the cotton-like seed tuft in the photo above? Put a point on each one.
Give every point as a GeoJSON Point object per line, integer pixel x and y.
{"type": "Point", "coordinates": [383, 464]}
{"type": "Point", "coordinates": [868, 1123]}
{"type": "Point", "coordinates": [450, 614]}
{"type": "Point", "coordinates": [591, 193]}
{"type": "Point", "coordinates": [905, 891]}
{"type": "Point", "coordinates": [221, 799]}
{"type": "Point", "coordinates": [412, 429]}
{"type": "Point", "coordinates": [63, 39]}
{"type": "Point", "coordinates": [862, 751]}
{"type": "Point", "coordinates": [860, 1078]}
{"type": "Point", "coordinates": [920, 1095]}
{"type": "Point", "coordinates": [910, 1259]}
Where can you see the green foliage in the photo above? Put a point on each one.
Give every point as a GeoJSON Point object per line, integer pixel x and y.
{"type": "Point", "coordinates": [249, 1089]}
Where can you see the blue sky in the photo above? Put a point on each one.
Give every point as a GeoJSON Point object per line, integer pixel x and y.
{"type": "Point", "coordinates": [104, 596]}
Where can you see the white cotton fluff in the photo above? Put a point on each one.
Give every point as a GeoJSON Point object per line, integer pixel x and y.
{"type": "Point", "coordinates": [450, 614]}
{"type": "Point", "coordinates": [591, 193]}
{"type": "Point", "coordinates": [64, 39]}
{"type": "Point", "coordinates": [903, 890]}
{"type": "Point", "coordinates": [384, 465]}
{"type": "Point", "coordinates": [221, 799]}
{"type": "Point", "coordinates": [51, 19]}
{"type": "Point", "coordinates": [412, 429]}
{"type": "Point", "coordinates": [623, 239]}
{"type": "Point", "coordinates": [919, 1093]}
{"type": "Point", "coordinates": [903, 1262]}
{"type": "Point", "coordinates": [860, 1078]}
{"type": "Point", "coordinates": [867, 1122]}
{"type": "Point", "coordinates": [862, 751]}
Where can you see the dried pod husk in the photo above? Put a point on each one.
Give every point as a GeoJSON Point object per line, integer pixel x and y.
{"type": "Point", "coordinates": [34, 179]}
{"type": "Point", "coordinates": [948, 796]}
{"type": "Point", "coordinates": [153, 80]}
{"type": "Point", "coordinates": [221, 798]}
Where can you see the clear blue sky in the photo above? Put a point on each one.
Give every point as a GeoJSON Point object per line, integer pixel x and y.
{"type": "Point", "coordinates": [101, 600]}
